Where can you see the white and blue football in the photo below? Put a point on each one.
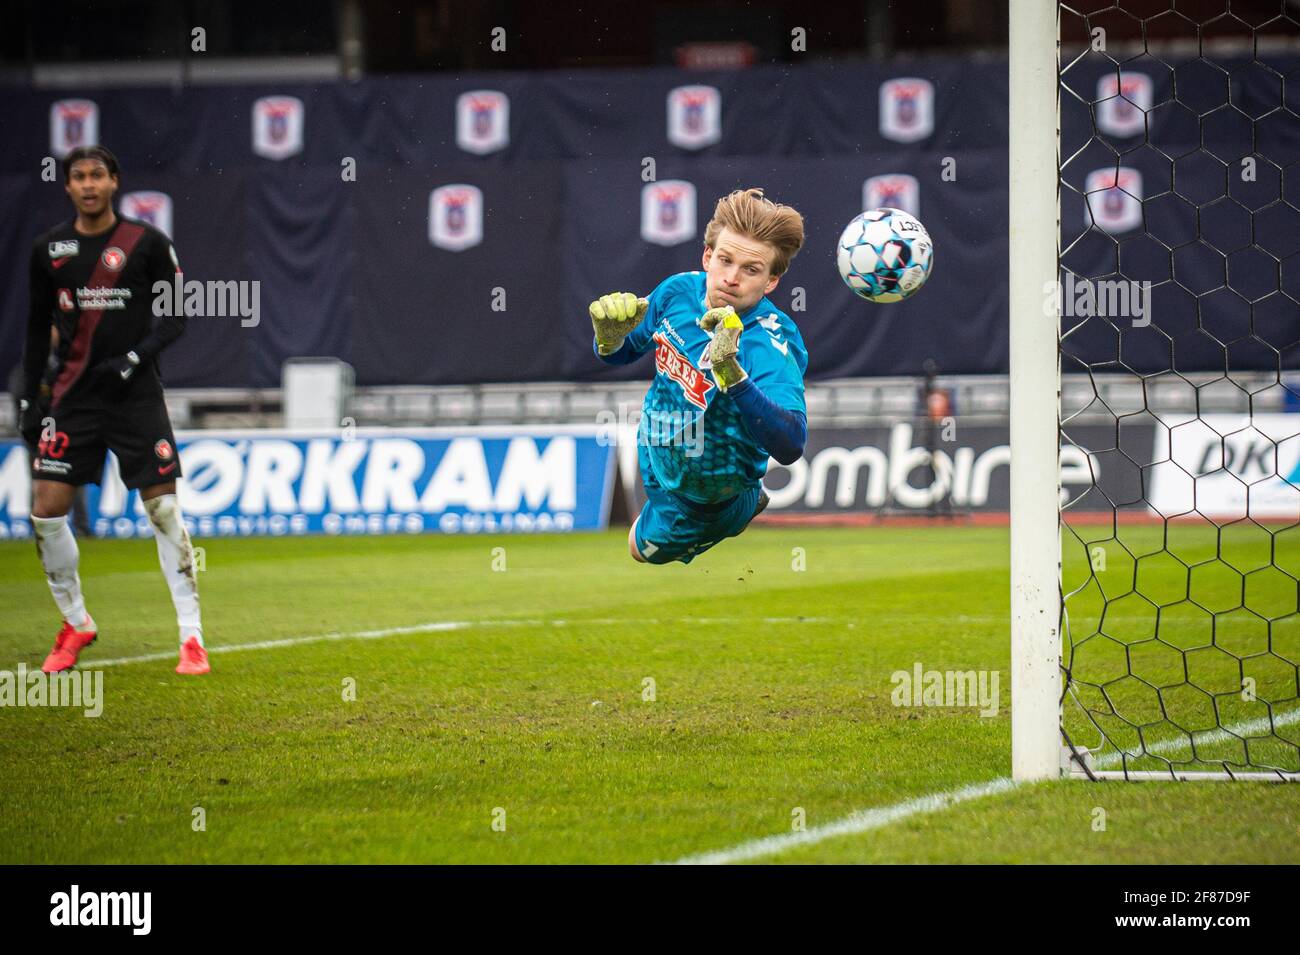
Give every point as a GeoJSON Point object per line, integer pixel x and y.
{"type": "Point", "coordinates": [885, 255]}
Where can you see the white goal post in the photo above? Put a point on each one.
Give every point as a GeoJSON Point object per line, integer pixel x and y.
{"type": "Point", "coordinates": [1035, 393]}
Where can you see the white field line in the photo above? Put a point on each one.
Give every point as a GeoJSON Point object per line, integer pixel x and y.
{"type": "Point", "coordinates": [442, 625]}
{"type": "Point", "coordinates": [864, 820]}
{"type": "Point", "coordinates": [289, 642]}
{"type": "Point", "coordinates": [1247, 728]}
{"type": "Point", "coordinates": [432, 627]}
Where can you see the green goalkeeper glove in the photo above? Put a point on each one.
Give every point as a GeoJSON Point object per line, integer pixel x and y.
{"type": "Point", "coordinates": [613, 317]}
{"type": "Point", "coordinates": [726, 327]}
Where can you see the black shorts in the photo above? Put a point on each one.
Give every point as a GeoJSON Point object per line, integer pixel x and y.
{"type": "Point", "coordinates": [138, 432]}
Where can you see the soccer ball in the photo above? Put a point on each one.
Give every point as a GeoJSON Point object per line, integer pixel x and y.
{"type": "Point", "coordinates": [885, 255]}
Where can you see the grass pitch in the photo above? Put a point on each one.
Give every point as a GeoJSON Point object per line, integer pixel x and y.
{"type": "Point", "coordinates": [523, 697]}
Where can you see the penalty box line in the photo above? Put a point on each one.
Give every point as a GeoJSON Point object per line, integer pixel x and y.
{"type": "Point", "coordinates": [865, 820]}
{"type": "Point", "coordinates": [437, 626]}
{"type": "Point", "coordinates": [290, 642]}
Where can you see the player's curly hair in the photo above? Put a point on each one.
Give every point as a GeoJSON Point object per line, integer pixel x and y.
{"type": "Point", "coordinates": [750, 213]}
{"type": "Point", "coordinates": [100, 153]}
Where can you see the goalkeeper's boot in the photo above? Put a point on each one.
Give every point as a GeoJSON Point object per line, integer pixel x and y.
{"type": "Point", "coordinates": [194, 659]}
{"type": "Point", "coordinates": [68, 646]}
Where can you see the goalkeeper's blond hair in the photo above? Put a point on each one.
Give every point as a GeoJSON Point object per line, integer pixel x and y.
{"type": "Point", "coordinates": [748, 212]}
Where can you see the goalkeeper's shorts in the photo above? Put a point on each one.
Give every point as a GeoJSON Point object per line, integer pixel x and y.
{"type": "Point", "coordinates": [672, 528]}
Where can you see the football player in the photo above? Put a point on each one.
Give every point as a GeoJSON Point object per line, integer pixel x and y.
{"type": "Point", "coordinates": [728, 388]}
{"type": "Point", "coordinates": [92, 278]}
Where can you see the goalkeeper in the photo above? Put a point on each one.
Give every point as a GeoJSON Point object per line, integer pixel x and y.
{"type": "Point", "coordinates": [729, 369]}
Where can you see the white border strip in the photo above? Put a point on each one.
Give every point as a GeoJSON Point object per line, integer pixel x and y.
{"type": "Point", "coordinates": [402, 431]}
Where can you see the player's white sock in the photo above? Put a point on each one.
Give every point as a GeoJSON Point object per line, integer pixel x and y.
{"type": "Point", "coordinates": [59, 557]}
{"type": "Point", "coordinates": [176, 555]}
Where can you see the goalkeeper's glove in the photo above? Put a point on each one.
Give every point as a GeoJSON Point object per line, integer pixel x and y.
{"type": "Point", "coordinates": [120, 369]}
{"type": "Point", "coordinates": [613, 317]}
{"type": "Point", "coordinates": [726, 326]}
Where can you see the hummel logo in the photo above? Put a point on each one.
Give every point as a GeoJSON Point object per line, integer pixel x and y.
{"type": "Point", "coordinates": [773, 325]}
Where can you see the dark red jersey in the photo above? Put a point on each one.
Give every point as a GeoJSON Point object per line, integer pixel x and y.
{"type": "Point", "coordinates": [97, 290]}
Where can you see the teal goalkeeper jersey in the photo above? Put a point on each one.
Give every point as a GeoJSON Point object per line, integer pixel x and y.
{"type": "Point", "coordinates": [691, 434]}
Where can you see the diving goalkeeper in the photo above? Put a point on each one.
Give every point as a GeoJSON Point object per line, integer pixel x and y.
{"type": "Point", "coordinates": [728, 387]}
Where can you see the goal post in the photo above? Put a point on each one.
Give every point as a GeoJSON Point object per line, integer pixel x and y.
{"type": "Point", "coordinates": [1154, 275]}
{"type": "Point", "coordinates": [1035, 393]}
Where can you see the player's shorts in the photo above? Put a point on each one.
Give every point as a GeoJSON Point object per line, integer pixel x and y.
{"type": "Point", "coordinates": [138, 432]}
{"type": "Point", "coordinates": [672, 528]}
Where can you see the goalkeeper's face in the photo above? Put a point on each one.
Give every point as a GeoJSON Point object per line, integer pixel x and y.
{"type": "Point", "coordinates": [739, 271]}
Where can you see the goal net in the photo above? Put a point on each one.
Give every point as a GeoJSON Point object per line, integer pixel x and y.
{"type": "Point", "coordinates": [1178, 345]}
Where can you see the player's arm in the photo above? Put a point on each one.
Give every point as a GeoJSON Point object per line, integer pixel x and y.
{"type": "Point", "coordinates": [36, 351]}
{"type": "Point", "coordinates": [782, 432]}
{"type": "Point", "coordinates": [616, 320]}
{"type": "Point", "coordinates": [163, 266]}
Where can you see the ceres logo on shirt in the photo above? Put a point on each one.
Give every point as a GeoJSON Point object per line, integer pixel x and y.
{"type": "Point", "coordinates": [669, 361]}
